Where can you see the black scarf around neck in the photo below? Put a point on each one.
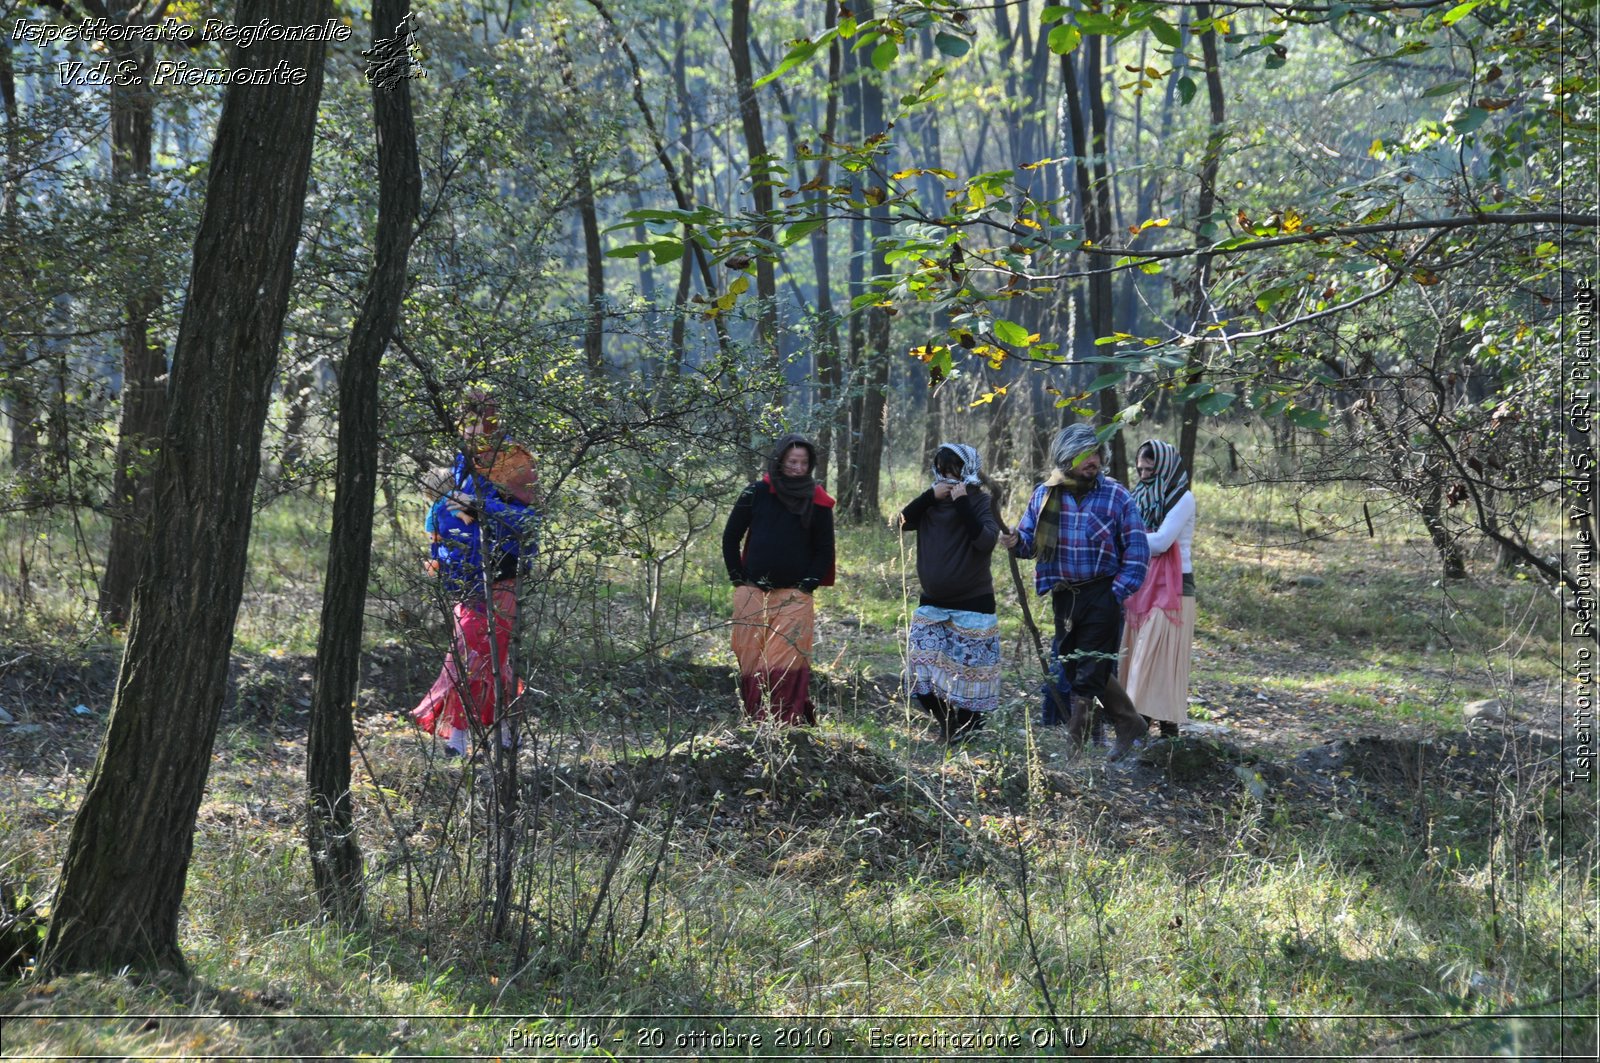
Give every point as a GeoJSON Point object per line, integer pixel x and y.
{"type": "Point", "coordinates": [797, 493]}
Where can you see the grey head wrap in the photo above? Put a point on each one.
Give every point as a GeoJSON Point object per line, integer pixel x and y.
{"type": "Point", "coordinates": [1070, 442]}
{"type": "Point", "coordinates": [971, 465]}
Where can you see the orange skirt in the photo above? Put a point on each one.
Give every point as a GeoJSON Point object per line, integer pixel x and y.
{"type": "Point", "coordinates": [772, 636]}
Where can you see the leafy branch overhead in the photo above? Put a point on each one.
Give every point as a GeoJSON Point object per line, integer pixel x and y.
{"type": "Point", "coordinates": [1468, 170]}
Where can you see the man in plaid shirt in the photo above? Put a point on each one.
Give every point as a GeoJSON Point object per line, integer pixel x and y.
{"type": "Point", "coordinates": [1092, 555]}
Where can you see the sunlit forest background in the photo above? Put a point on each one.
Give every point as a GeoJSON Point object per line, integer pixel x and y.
{"type": "Point", "coordinates": [1342, 255]}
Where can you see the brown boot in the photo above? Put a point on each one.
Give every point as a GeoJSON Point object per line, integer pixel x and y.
{"type": "Point", "coordinates": [1129, 724]}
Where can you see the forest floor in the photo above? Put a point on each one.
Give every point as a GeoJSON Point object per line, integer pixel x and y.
{"type": "Point", "coordinates": [1327, 756]}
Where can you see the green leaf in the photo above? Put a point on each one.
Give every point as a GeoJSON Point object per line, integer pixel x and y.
{"type": "Point", "coordinates": [1469, 119]}
{"type": "Point", "coordinates": [801, 229]}
{"type": "Point", "coordinates": [1010, 332]}
{"type": "Point", "coordinates": [1064, 38]}
{"type": "Point", "coordinates": [1308, 418]}
{"type": "Point", "coordinates": [628, 250]}
{"type": "Point", "coordinates": [666, 251]}
{"type": "Point", "coordinates": [1459, 12]}
{"type": "Point", "coordinates": [884, 55]}
{"type": "Point", "coordinates": [1105, 380]}
{"type": "Point", "coordinates": [1273, 296]}
{"type": "Point", "coordinates": [1444, 90]}
{"type": "Point", "coordinates": [1089, 22]}
{"type": "Point", "coordinates": [1166, 33]}
{"type": "Point", "coordinates": [1215, 403]}
{"type": "Point", "coordinates": [1186, 89]}
{"type": "Point", "coordinates": [797, 55]}
{"type": "Point", "coordinates": [952, 45]}
{"type": "Point", "coordinates": [1051, 13]}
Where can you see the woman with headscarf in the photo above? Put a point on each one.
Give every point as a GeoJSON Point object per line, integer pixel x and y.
{"type": "Point", "coordinates": [1158, 641]}
{"type": "Point", "coordinates": [778, 549]}
{"type": "Point", "coordinates": [953, 663]}
{"type": "Point", "coordinates": [476, 684]}
{"type": "Point", "coordinates": [1089, 541]}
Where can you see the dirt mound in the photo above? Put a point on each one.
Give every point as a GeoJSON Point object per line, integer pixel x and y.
{"type": "Point", "coordinates": [792, 801]}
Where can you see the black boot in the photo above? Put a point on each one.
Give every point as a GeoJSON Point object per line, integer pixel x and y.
{"type": "Point", "coordinates": [934, 706]}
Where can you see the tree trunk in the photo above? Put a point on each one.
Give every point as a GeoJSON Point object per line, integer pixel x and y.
{"type": "Point", "coordinates": [1084, 146]}
{"type": "Point", "coordinates": [22, 406]}
{"type": "Point", "coordinates": [595, 274]}
{"type": "Point", "coordinates": [1097, 204]}
{"type": "Point", "coordinates": [144, 365]}
{"type": "Point", "coordinates": [864, 502]}
{"type": "Point", "coordinates": [848, 427]}
{"type": "Point", "coordinates": [1199, 301]}
{"type": "Point", "coordinates": [755, 141]}
{"type": "Point", "coordinates": [298, 388]}
{"type": "Point", "coordinates": [330, 829]}
{"type": "Point", "coordinates": [122, 881]}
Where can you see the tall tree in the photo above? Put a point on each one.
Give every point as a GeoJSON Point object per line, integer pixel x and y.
{"type": "Point", "coordinates": [755, 141]}
{"type": "Point", "coordinates": [18, 391]}
{"type": "Point", "coordinates": [330, 829]}
{"type": "Point", "coordinates": [875, 349]}
{"type": "Point", "coordinates": [122, 881]}
{"type": "Point", "coordinates": [144, 362]}
{"type": "Point", "coordinates": [1197, 298]}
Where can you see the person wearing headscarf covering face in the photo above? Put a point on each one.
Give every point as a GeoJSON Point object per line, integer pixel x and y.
{"type": "Point", "coordinates": [1085, 532]}
{"type": "Point", "coordinates": [1158, 640]}
{"type": "Point", "coordinates": [476, 686]}
{"type": "Point", "coordinates": [778, 549]}
{"type": "Point", "coordinates": [953, 663]}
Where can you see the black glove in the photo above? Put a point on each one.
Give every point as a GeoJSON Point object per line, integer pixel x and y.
{"type": "Point", "coordinates": [809, 584]}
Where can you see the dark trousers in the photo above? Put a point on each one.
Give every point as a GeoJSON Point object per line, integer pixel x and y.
{"type": "Point", "coordinates": [1088, 634]}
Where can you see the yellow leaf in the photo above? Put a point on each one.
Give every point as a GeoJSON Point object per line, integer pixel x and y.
{"type": "Point", "coordinates": [1376, 151]}
{"type": "Point", "coordinates": [1292, 220]}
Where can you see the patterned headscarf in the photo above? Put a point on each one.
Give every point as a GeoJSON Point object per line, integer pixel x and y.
{"type": "Point", "coordinates": [971, 465]}
{"type": "Point", "coordinates": [1071, 441]}
{"type": "Point", "coordinates": [1156, 497]}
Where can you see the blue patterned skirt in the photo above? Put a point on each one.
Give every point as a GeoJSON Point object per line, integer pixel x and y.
{"type": "Point", "coordinates": [955, 654]}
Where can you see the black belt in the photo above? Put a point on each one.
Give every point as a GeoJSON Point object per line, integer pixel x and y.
{"type": "Point", "coordinates": [1081, 585]}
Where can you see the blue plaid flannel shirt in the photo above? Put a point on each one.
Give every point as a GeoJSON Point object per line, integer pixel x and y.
{"type": "Point", "coordinates": [1101, 535]}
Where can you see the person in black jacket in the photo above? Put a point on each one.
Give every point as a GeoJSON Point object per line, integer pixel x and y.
{"type": "Point", "coordinates": [778, 549]}
{"type": "Point", "coordinates": [953, 663]}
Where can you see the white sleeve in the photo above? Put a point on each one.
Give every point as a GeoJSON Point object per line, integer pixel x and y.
{"type": "Point", "coordinates": [1172, 525]}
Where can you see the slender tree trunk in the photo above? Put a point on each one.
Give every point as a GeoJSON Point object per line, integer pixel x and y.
{"type": "Point", "coordinates": [298, 388]}
{"type": "Point", "coordinates": [330, 825]}
{"type": "Point", "coordinates": [680, 303]}
{"type": "Point", "coordinates": [875, 398]}
{"type": "Point", "coordinates": [144, 364]}
{"type": "Point", "coordinates": [1199, 300]}
{"type": "Point", "coordinates": [121, 885]}
{"type": "Point", "coordinates": [23, 407]}
{"type": "Point", "coordinates": [755, 141]}
{"type": "Point", "coordinates": [1097, 204]}
{"type": "Point", "coordinates": [595, 276]}
{"type": "Point", "coordinates": [847, 451]}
